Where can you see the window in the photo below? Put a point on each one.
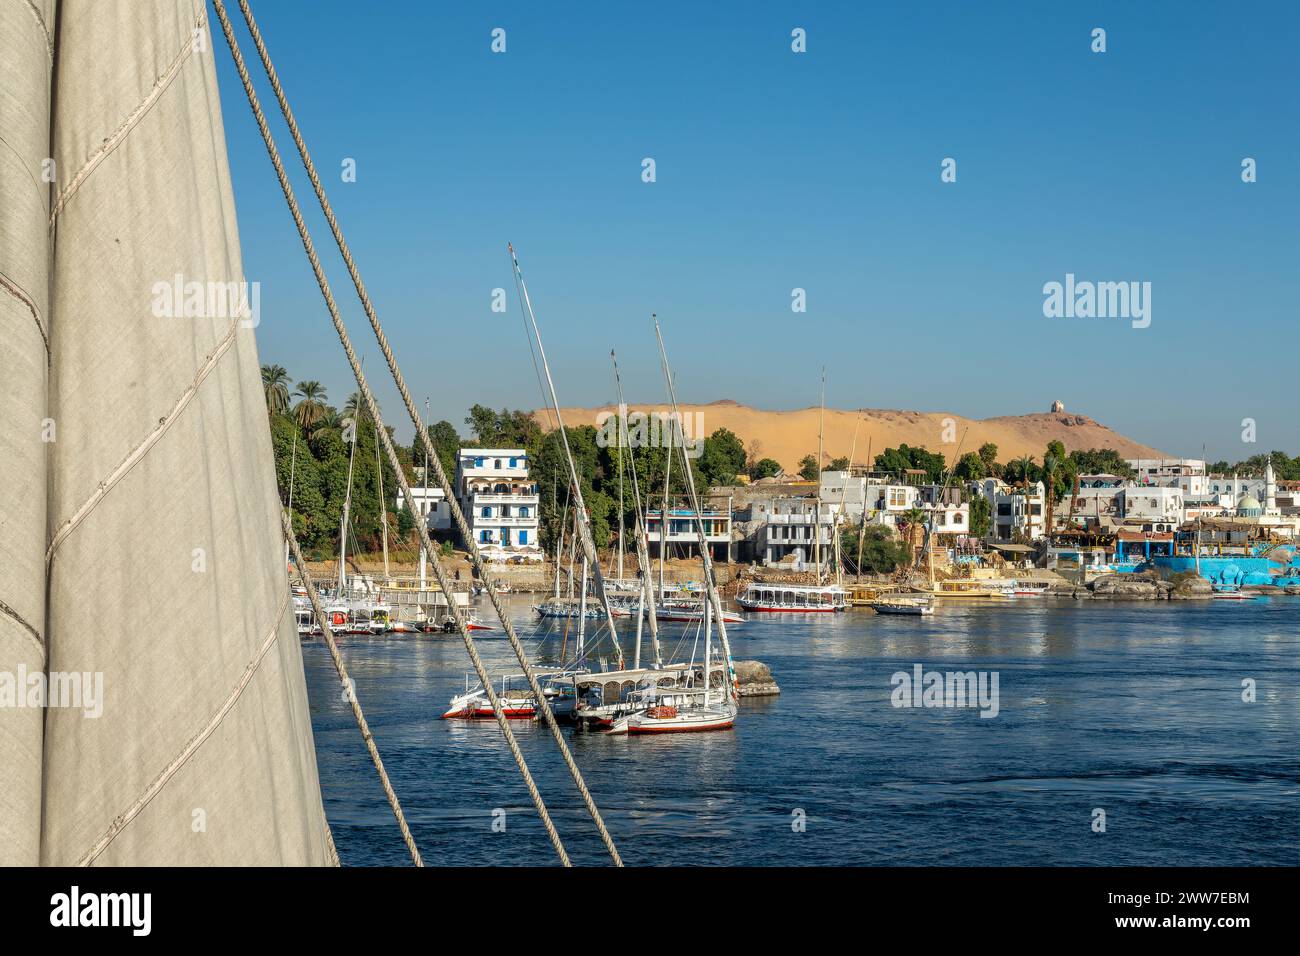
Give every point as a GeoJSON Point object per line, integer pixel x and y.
{"type": "Point", "coordinates": [514, 463]}
{"type": "Point", "coordinates": [523, 512]}
{"type": "Point", "coordinates": [523, 537]}
{"type": "Point", "coordinates": [487, 512]}
{"type": "Point", "coordinates": [484, 537]}
{"type": "Point", "coordinates": [497, 464]}
{"type": "Point", "coordinates": [478, 462]}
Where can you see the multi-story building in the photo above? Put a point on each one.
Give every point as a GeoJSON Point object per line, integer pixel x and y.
{"type": "Point", "coordinates": [683, 536]}
{"type": "Point", "coordinates": [1016, 513]}
{"type": "Point", "coordinates": [499, 500]}
{"type": "Point", "coordinates": [796, 526]}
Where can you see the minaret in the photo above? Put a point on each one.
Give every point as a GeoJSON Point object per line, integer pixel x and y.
{"type": "Point", "coordinates": [1270, 489]}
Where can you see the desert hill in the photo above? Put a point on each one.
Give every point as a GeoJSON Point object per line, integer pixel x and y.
{"type": "Point", "coordinates": [789, 435]}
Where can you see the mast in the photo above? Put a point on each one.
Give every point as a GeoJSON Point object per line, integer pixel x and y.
{"type": "Point", "coordinates": [714, 599]}
{"type": "Point", "coordinates": [862, 532]}
{"type": "Point", "coordinates": [817, 502]}
{"type": "Point", "coordinates": [639, 531]}
{"type": "Point", "coordinates": [582, 614]}
{"type": "Point", "coordinates": [708, 629]}
{"type": "Point", "coordinates": [424, 558]}
{"type": "Point", "coordinates": [620, 501]}
{"type": "Point", "coordinates": [844, 489]}
{"type": "Point", "coordinates": [293, 461]}
{"type": "Point", "coordinates": [663, 513]}
{"type": "Point", "coordinates": [383, 507]}
{"type": "Point", "coordinates": [347, 506]}
{"type": "Point", "coordinates": [584, 528]}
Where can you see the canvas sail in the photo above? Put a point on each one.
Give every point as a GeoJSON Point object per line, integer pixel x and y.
{"type": "Point", "coordinates": [26, 64]}
{"type": "Point", "coordinates": [152, 519]}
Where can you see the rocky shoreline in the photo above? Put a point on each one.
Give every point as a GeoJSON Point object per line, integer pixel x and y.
{"type": "Point", "coordinates": [1149, 586]}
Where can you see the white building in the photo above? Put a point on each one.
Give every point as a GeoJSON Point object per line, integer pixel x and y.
{"type": "Point", "coordinates": [431, 504]}
{"type": "Point", "coordinates": [499, 500]}
{"type": "Point", "coordinates": [945, 512]}
{"type": "Point", "coordinates": [1015, 512]}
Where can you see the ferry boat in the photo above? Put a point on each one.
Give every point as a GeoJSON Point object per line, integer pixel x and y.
{"type": "Point", "coordinates": [793, 598]}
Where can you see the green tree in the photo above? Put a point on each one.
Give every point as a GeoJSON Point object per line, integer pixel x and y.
{"type": "Point", "coordinates": [312, 406]}
{"type": "Point", "coordinates": [808, 467]}
{"type": "Point", "coordinates": [275, 385]}
{"type": "Point", "coordinates": [765, 468]}
{"type": "Point", "coordinates": [981, 516]}
{"type": "Point", "coordinates": [971, 467]}
{"type": "Point", "coordinates": [882, 553]}
{"type": "Point", "coordinates": [446, 443]}
{"type": "Point", "coordinates": [988, 454]}
{"type": "Point", "coordinates": [837, 464]}
{"type": "Point", "coordinates": [723, 457]}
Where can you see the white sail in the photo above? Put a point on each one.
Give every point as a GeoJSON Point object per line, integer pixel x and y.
{"type": "Point", "coordinates": [26, 65]}
{"type": "Point", "coordinates": [161, 547]}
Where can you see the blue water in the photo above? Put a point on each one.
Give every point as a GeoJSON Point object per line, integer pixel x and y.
{"type": "Point", "coordinates": [1134, 708]}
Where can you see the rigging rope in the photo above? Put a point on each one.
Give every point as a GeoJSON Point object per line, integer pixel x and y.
{"type": "Point", "coordinates": [476, 558]}
{"type": "Point", "coordinates": [346, 341]}
{"type": "Point", "coordinates": [323, 619]}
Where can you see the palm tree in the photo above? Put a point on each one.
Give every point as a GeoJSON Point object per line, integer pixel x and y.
{"type": "Point", "coordinates": [311, 408]}
{"type": "Point", "coordinates": [329, 423]}
{"type": "Point", "coordinates": [1050, 465]}
{"type": "Point", "coordinates": [275, 383]}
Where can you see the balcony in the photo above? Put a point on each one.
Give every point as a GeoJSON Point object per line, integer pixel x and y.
{"type": "Point", "coordinates": [515, 501]}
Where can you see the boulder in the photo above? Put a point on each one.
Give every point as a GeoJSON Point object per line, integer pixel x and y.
{"type": "Point", "coordinates": [1191, 588]}
{"type": "Point", "coordinates": [1129, 587]}
{"type": "Point", "coordinates": [752, 672]}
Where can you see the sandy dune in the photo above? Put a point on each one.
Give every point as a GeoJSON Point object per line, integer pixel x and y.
{"type": "Point", "coordinates": [788, 436]}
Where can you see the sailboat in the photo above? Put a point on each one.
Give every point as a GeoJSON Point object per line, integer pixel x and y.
{"type": "Point", "coordinates": [703, 704]}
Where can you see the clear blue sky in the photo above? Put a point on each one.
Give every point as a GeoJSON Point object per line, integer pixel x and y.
{"type": "Point", "coordinates": [777, 170]}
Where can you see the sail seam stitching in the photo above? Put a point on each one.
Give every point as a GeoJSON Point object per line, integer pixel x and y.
{"type": "Point", "coordinates": [25, 625]}
{"type": "Point", "coordinates": [40, 22]}
{"type": "Point", "coordinates": [118, 136]}
{"type": "Point", "coordinates": [150, 440]}
{"type": "Point", "coordinates": [155, 787]}
{"type": "Point", "coordinates": [17, 292]}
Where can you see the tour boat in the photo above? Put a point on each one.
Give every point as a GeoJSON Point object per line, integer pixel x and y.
{"type": "Point", "coordinates": [402, 627]}
{"type": "Point", "coordinates": [793, 598]}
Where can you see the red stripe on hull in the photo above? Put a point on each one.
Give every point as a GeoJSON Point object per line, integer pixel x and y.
{"type": "Point", "coordinates": [512, 713]}
{"type": "Point", "coordinates": [680, 730]}
{"type": "Point", "coordinates": [794, 610]}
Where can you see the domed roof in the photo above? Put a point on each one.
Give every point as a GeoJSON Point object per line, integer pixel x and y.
{"type": "Point", "coordinates": [1249, 505]}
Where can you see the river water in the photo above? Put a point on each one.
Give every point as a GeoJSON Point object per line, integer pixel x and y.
{"type": "Point", "coordinates": [1134, 709]}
